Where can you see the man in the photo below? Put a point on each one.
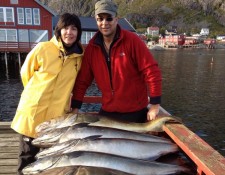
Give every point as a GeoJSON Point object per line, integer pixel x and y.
{"type": "Point", "coordinates": [123, 69]}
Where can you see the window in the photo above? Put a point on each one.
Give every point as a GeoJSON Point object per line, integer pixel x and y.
{"type": "Point", "coordinates": [36, 13]}
{"type": "Point", "coordinates": [2, 35]}
{"type": "Point", "coordinates": [28, 14]}
{"type": "Point", "coordinates": [23, 35]}
{"type": "Point", "coordinates": [13, 1]}
{"type": "Point", "coordinates": [6, 14]}
{"type": "Point", "coordinates": [1, 15]}
{"type": "Point", "coordinates": [11, 35]}
{"type": "Point", "coordinates": [20, 15]}
{"type": "Point", "coordinates": [86, 36]}
{"type": "Point", "coordinates": [38, 35]}
{"type": "Point", "coordinates": [8, 35]}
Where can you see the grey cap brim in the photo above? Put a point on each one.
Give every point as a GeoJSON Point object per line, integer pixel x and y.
{"type": "Point", "coordinates": [105, 11]}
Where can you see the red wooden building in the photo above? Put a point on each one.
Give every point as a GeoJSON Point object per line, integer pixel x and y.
{"type": "Point", "coordinates": [172, 40]}
{"type": "Point", "coordinates": [24, 23]}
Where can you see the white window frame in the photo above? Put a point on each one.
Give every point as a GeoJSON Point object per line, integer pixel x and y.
{"type": "Point", "coordinates": [7, 35]}
{"type": "Point", "coordinates": [2, 14]}
{"type": "Point", "coordinates": [28, 14]}
{"type": "Point", "coordinates": [7, 17]}
{"type": "Point", "coordinates": [86, 36]}
{"type": "Point", "coordinates": [20, 16]}
{"type": "Point", "coordinates": [36, 16]}
{"type": "Point", "coordinates": [2, 35]}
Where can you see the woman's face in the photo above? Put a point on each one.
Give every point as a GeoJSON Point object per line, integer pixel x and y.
{"type": "Point", "coordinates": [69, 35]}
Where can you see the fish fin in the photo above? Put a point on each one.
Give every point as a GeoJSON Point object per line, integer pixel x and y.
{"type": "Point", "coordinates": [93, 137]}
{"type": "Point", "coordinates": [81, 125]}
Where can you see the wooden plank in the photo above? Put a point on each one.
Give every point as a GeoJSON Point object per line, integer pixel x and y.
{"type": "Point", "coordinates": [5, 125]}
{"type": "Point", "coordinates": [9, 150]}
{"type": "Point", "coordinates": [7, 162]}
{"type": "Point", "coordinates": [207, 159]}
{"type": "Point", "coordinates": [8, 170]}
{"type": "Point", "coordinates": [9, 147]}
{"type": "Point", "coordinates": [8, 155]}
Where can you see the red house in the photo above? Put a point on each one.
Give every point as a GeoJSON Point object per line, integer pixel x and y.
{"type": "Point", "coordinates": [24, 23]}
{"type": "Point", "coordinates": [172, 40]}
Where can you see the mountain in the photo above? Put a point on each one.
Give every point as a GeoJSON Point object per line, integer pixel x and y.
{"type": "Point", "coordinates": [188, 16]}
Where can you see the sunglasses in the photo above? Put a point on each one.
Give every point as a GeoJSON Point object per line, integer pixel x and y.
{"type": "Point", "coordinates": [100, 19]}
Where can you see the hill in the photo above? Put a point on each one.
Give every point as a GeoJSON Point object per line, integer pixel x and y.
{"type": "Point", "coordinates": [188, 16]}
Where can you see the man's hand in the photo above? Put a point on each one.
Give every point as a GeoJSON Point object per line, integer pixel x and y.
{"type": "Point", "coordinates": [153, 112]}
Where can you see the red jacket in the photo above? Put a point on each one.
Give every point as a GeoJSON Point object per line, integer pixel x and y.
{"type": "Point", "coordinates": [132, 68]}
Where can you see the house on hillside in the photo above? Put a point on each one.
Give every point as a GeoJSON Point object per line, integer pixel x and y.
{"type": "Point", "coordinates": [170, 32]}
{"type": "Point", "coordinates": [204, 32]}
{"type": "Point", "coordinates": [153, 31]}
{"type": "Point", "coordinates": [220, 37]}
{"type": "Point", "coordinates": [24, 23]}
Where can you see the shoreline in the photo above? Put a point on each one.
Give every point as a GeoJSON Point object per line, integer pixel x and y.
{"type": "Point", "coordinates": [159, 47]}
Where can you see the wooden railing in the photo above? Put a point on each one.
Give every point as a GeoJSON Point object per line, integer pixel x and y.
{"type": "Point", "coordinates": [16, 46]}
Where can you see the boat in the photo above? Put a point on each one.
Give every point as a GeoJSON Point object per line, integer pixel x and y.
{"type": "Point", "coordinates": [206, 160]}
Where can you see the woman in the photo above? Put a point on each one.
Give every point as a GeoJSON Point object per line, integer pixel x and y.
{"type": "Point", "coordinates": [48, 75]}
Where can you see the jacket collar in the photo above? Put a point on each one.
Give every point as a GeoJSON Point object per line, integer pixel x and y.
{"type": "Point", "coordinates": [98, 38]}
{"type": "Point", "coordinates": [77, 49]}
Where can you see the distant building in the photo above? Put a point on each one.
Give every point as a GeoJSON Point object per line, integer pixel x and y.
{"type": "Point", "coordinates": [172, 40]}
{"type": "Point", "coordinates": [154, 31]}
{"type": "Point", "coordinates": [220, 37]}
{"type": "Point", "coordinates": [170, 32]}
{"type": "Point", "coordinates": [204, 32]}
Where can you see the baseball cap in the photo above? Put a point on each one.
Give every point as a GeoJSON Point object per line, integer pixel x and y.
{"type": "Point", "coordinates": [105, 6]}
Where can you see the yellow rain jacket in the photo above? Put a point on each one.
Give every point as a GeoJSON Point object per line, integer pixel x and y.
{"type": "Point", "coordinates": [48, 77]}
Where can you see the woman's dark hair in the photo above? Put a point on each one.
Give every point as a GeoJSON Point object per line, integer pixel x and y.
{"type": "Point", "coordinates": [68, 19]}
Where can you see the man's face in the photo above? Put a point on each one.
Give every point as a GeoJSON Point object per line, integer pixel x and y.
{"type": "Point", "coordinates": [106, 24]}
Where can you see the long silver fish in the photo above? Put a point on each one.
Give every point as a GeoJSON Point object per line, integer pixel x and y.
{"type": "Point", "coordinates": [50, 138]}
{"type": "Point", "coordinates": [60, 122]}
{"type": "Point", "coordinates": [121, 147]}
{"type": "Point", "coordinates": [81, 131]}
{"type": "Point", "coordinates": [81, 170]}
{"type": "Point", "coordinates": [91, 159]}
{"type": "Point", "coordinates": [97, 120]}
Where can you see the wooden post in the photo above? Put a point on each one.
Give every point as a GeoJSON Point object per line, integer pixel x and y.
{"type": "Point", "coordinates": [19, 58]}
{"type": "Point", "coordinates": [6, 66]}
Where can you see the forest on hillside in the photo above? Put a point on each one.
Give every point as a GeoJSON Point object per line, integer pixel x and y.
{"type": "Point", "coordinates": [187, 16]}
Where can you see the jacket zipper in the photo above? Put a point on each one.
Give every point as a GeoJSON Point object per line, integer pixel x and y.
{"type": "Point", "coordinates": [110, 71]}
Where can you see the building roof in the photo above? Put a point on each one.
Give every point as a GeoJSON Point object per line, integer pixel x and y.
{"type": "Point", "coordinates": [153, 28]}
{"type": "Point", "coordinates": [89, 24]}
{"type": "Point", "coordinates": [46, 7]}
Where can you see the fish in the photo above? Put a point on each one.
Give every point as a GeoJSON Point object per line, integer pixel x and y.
{"type": "Point", "coordinates": [50, 138]}
{"type": "Point", "coordinates": [59, 122]}
{"type": "Point", "coordinates": [81, 170]}
{"type": "Point", "coordinates": [102, 160]}
{"type": "Point", "coordinates": [98, 120]}
{"type": "Point", "coordinates": [121, 147]}
{"type": "Point", "coordinates": [83, 130]}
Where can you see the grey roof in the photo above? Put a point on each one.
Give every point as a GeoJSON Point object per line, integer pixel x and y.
{"type": "Point", "coordinates": [46, 7]}
{"type": "Point", "coordinates": [89, 24]}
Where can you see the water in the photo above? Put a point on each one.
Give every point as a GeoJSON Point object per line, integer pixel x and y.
{"type": "Point", "coordinates": [193, 89]}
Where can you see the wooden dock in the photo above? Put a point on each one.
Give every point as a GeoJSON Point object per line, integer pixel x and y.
{"type": "Point", "coordinates": [9, 145]}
